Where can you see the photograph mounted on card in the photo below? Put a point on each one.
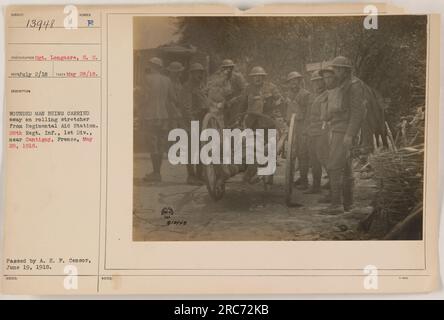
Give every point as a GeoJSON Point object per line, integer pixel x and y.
{"type": "Point", "coordinates": [205, 149]}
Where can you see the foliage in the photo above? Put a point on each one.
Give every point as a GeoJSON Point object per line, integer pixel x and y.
{"type": "Point", "coordinates": [391, 59]}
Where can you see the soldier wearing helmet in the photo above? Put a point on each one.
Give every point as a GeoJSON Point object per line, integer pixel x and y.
{"type": "Point", "coordinates": [233, 85]}
{"type": "Point", "coordinates": [156, 114]}
{"type": "Point", "coordinates": [317, 133]}
{"type": "Point", "coordinates": [345, 113]}
{"type": "Point", "coordinates": [194, 107]}
{"type": "Point", "coordinates": [298, 100]}
{"type": "Point", "coordinates": [261, 96]}
{"type": "Point", "coordinates": [196, 67]}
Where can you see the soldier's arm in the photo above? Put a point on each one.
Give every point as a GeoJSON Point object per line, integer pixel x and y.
{"type": "Point", "coordinates": [357, 109]}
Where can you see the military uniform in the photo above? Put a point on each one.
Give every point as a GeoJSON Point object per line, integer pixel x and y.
{"type": "Point", "coordinates": [194, 101]}
{"type": "Point", "coordinates": [175, 106]}
{"type": "Point", "coordinates": [317, 137]}
{"type": "Point", "coordinates": [232, 90]}
{"type": "Point", "coordinates": [297, 103]}
{"type": "Point", "coordinates": [261, 100]}
{"type": "Point", "coordinates": [345, 112]}
{"type": "Point", "coordinates": [158, 110]}
{"type": "Point", "coordinates": [194, 107]}
{"type": "Point", "coordinates": [158, 114]}
{"type": "Point", "coordinates": [234, 86]}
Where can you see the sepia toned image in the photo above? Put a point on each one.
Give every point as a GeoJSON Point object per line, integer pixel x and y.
{"type": "Point", "coordinates": [203, 149]}
{"type": "Point", "coordinates": [347, 104]}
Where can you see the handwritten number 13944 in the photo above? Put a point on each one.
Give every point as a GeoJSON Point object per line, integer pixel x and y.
{"type": "Point", "coordinates": [40, 24]}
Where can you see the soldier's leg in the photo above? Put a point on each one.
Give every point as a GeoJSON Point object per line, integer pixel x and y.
{"type": "Point", "coordinates": [190, 170]}
{"type": "Point", "coordinates": [336, 164]}
{"type": "Point", "coordinates": [316, 168]}
{"type": "Point", "coordinates": [301, 181]}
{"type": "Point", "coordinates": [156, 159]}
{"type": "Point", "coordinates": [199, 171]}
{"type": "Point", "coordinates": [322, 149]}
{"type": "Point", "coordinates": [229, 113]}
{"type": "Point", "coordinates": [192, 178]}
{"type": "Point", "coordinates": [200, 168]}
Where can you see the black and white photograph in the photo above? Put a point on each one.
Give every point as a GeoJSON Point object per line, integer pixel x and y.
{"type": "Point", "coordinates": [279, 128]}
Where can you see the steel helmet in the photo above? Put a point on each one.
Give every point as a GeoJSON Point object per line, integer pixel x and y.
{"type": "Point", "coordinates": [316, 76]}
{"type": "Point", "coordinates": [257, 71]}
{"type": "Point", "coordinates": [325, 70]}
{"type": "Point", "coordinates": [293, 75]}
{"type": "Point", "coordinates": [227, 63]}
{"type": "Point", "coordinates": [341, 61]}
{"type": "Point", "coordinates": [196, 67]}
{"type": "Point", "coordinates": [175, 66]}
{"type": "Point", "coordinates": [157, 61]}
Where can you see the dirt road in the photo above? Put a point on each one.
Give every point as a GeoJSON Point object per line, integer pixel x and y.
{"type": "Point", "coordinates": [173, 210]}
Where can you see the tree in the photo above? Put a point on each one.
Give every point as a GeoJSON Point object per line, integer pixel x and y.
{"type": "Point", "coordinates": [391, 59]}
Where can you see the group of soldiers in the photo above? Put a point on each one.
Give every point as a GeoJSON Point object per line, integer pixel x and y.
{"type": "Point", "coordinates": [327, 119]}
